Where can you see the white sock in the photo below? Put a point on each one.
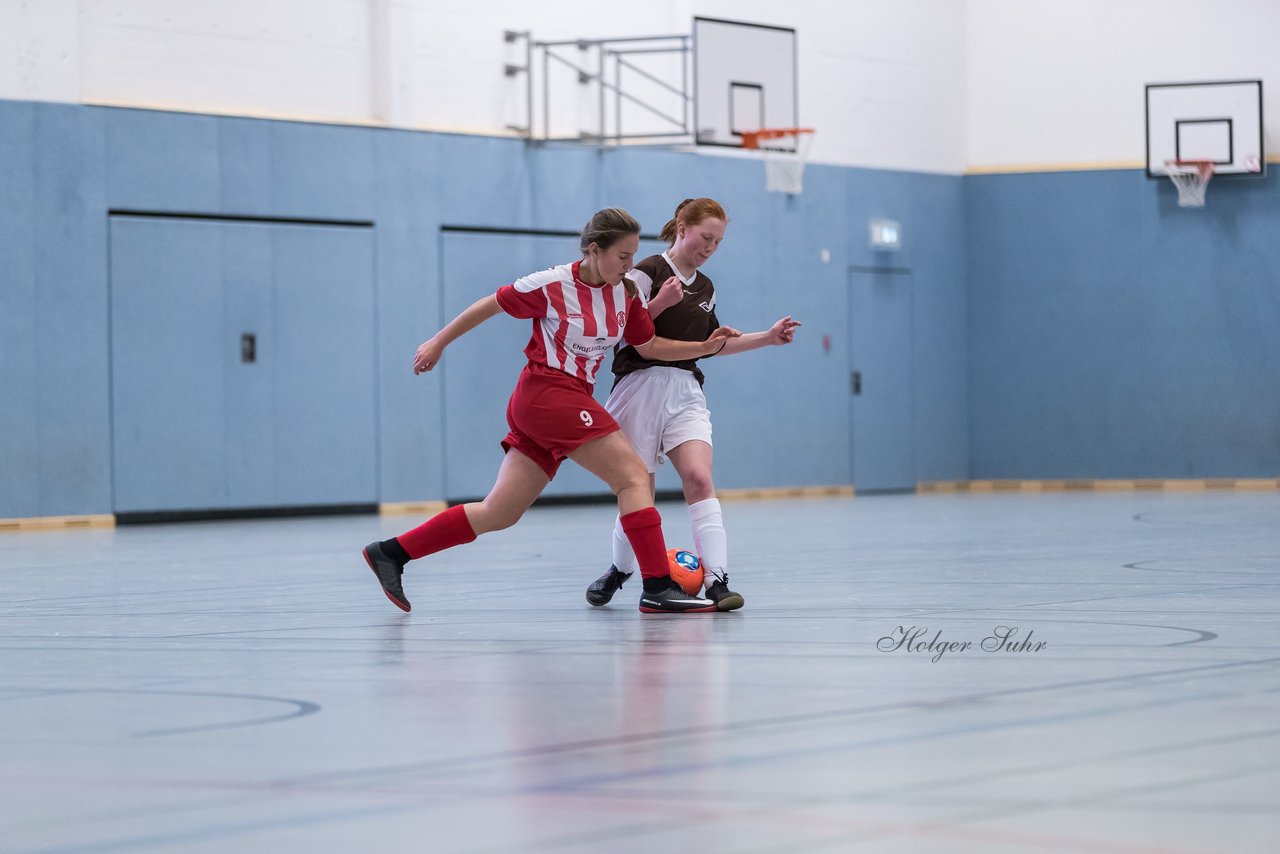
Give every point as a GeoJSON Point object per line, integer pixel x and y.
{"type": "Point", "coordinates": [709, 538]}
{"type": "Point", "coordinates": [624, 557]}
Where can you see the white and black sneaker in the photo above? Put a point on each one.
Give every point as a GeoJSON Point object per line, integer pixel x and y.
{"type": "Point", "coordinates": [603, 588]}
{"type": "Point", "coordinates": [726, 600]}
{"type": "Point", "coordinates": [667, 597]}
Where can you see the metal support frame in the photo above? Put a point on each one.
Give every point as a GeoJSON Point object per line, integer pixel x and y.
{"type": "Point", "coordinates": [607, 77]}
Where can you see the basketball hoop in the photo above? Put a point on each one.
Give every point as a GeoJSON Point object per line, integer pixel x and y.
{"type": "Point", "coordinates": [1191, 177]}
{"type": "Point", "coordinates": [783, 167]}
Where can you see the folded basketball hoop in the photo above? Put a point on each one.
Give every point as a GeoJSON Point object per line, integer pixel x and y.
{"type": "Point", "coordinates": [1191, 177]}
{"type": "Point", "coordinates": [783, 165]}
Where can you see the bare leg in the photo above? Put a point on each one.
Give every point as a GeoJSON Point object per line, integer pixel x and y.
{"type": "Point", "coordinates": [612, 459]}
{"type": "Point", "coordinates": [520, 482]}
{"type": "Point", "coordinates": [692, 461]}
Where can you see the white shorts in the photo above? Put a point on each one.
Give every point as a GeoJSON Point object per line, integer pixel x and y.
{"type": "Point", "coordinates": [659, 408]}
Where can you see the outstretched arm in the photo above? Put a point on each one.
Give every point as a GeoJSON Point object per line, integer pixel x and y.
{"type": "Point", "coordinates": [667, 350]}
{"type": "Point", "coordinates": [430, 351]}
{"type": "Point", "coordinates": [782, 332]}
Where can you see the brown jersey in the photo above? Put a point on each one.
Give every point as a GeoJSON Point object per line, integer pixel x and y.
{"type": "Point", "coordinates": [691, 319]}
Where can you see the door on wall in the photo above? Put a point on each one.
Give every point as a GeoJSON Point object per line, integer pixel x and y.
{"type": "Point", "coordinates": [880, 380]}
{"type": "Point", "coordinates": [479, 371]}
{"type": "Point", "coordinates": [242, 365]}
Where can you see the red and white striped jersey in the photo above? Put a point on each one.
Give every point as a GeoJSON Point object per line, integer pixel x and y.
{"type": "Point", "coordinates": [575, 325]}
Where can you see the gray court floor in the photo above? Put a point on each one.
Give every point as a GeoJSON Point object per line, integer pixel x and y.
{"type": "Point", "coordinates": [246, 687]}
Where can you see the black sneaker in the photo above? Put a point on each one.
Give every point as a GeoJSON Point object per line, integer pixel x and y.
{"type": "Point", "coordinates": [673, 600]}
{"type": "Point", "coordinates": [388, 571]}
{"type": "Point", "coordinates": [725, 599]}
{"type": "Point", "coordinates": [603, 588]}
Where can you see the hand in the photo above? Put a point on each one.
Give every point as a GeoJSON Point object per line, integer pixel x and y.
{"type": "Point", "coordinates": [668, 295]}
{"type": "Point", "coordinates": [427, 356]}
{"type": "Point", "coordinates": [784, 331]}
{"type": "Point", "coordinates": [716, 340]}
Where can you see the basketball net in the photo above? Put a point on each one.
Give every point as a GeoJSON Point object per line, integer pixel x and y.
{"type": "Point", "coordinates": [783, 167]}
{"type": "Point", "coordinates": [1191, 177]}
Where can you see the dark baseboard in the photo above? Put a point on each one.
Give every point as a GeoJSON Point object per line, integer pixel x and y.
{"type": "Point", "coordinates": [568, 500]}
{"type": "Point", "coordinates": [160, 517]}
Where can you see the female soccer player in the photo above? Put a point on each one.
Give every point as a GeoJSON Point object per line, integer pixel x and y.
{"type": "Point", "coordinates": [579, 312]}
{"type": "Point", "coordinates": [659, 401]}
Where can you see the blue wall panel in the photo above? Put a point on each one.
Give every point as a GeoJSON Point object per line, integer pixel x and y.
{"type": "Point", "coordinates": [408, 176]}
{"type": "Point", "coordinates": [70, 244]}
{"type": "Point", "coordinates": [172, 369]}
{"type": "Point", "coordinates": [197, 426]}
{"type": "Point", "coordinates": [880, 336]}
{"type": "Point", "coordinates": [928, 207]}
{"type": "Point", "coordinates": [166, 162]}
{"type": "Point", "coordinates": [54, 429]}
{"type": "Point", "coordinates": [248, 304]}
{"type": "Point", "coordinates": [245, 173]}
{"type": "Point", "coordinates": [1114, 334]}
{"type": "Point", "coordinates": [485, 181]}
{"type": "Point", "coordinates": [323, 366]}
{"type": "Point", "coordinates": [19, 315]}
{"type": "Point", "coordinates": [781, 414]}
{"type": "Point", "coordinates": [321, 171]}
{"type": "Point", "coordinates": [937, 255]}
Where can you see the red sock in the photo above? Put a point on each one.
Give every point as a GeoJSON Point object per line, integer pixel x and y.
{"type": "Point", "coordinates": [442, 531]}
{"type": "Point", "coordinates": [644, 531]}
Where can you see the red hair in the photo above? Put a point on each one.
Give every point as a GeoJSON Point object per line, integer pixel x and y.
{"type": "Point", "coordinates": [691, 212]}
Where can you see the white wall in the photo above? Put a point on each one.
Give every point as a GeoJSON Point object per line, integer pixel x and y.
{"type": "Point", "coordinates": [1061, 85]}
{"type": "Point", "coordinates": [39, 53]}
{"type": "Point", "coordinates": [882, 80]}
{"type": "Point", "coordinates": [932, 85]}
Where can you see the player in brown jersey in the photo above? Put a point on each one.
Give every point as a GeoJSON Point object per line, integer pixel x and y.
{"type": "Point", "coordinates": [660, 404]}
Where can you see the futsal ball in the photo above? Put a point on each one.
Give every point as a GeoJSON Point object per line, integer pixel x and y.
{"type": "Point", "coordinates": [686, 569]}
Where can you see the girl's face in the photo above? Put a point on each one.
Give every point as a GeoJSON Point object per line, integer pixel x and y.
{"type": "Point", "coordinates": [615, 262]}
{"type": "Point", "coordinates": [698, 242]}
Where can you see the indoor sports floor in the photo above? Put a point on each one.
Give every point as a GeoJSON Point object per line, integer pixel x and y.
{"type": "Point", "coordinates": [245, 686]}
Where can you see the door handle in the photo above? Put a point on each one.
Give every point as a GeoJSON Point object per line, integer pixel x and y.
{"type": "Point", "coordinates": [248, 348]}
{"type": "Point", "coordinates": [855, 382]}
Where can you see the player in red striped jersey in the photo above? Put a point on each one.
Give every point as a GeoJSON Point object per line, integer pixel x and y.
{"type": "Point", "coordinates": [579, 312]}
{"type": "Point", "coordinates": [659, 402]}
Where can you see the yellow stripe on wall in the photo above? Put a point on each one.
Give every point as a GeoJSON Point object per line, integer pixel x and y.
{"type": "Point", "coordinates": [776, 492]}
{"type": "Point", "coordinates": [54, 523]}
{"type": "Point", "coordinates": [1167, 485]}
{"type": "Point", "coordinates": [412, 508]}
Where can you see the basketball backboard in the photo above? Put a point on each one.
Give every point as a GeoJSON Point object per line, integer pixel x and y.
{"type": "Point", "coordinates": [1216, 121]}
{"type": "Point", "coordinates": [744, 79]}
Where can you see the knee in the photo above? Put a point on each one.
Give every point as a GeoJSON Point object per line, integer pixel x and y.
{"type": "Point", "coordinates": [632, 475]}
{"type": "Point", "coordinates": [698, 486]}
{"type": "Point", "coordinates": [499, 518]}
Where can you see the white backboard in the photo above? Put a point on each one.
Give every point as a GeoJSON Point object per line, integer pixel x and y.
{"type": "Point", "coordinates": [1217, 121]}
{"type": "Point", "coordinates": [744, 79]}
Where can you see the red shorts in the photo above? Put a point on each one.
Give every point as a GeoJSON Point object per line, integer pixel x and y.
{"type": "Point", "coordinates": [551, 415]}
